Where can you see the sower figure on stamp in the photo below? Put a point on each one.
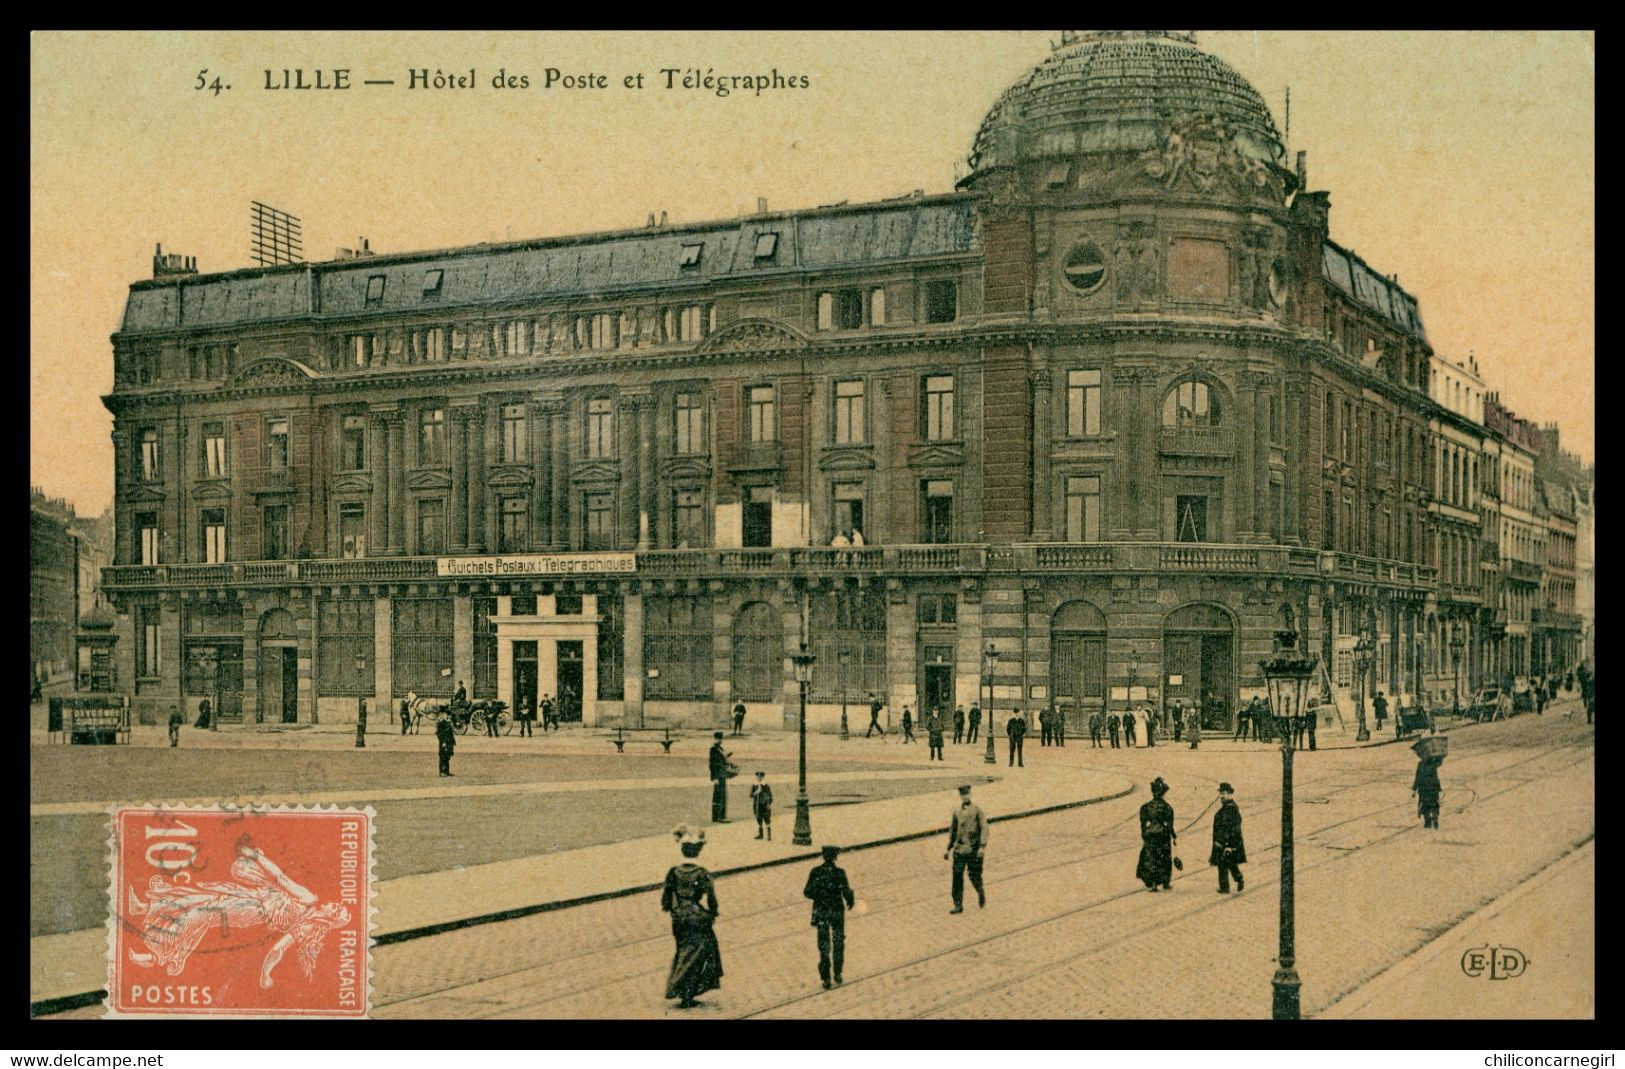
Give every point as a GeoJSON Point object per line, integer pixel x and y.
{"type": "Point", "coordinates": [1157, 839]}
{"type": "Point", "coordinates": [1228, 848]}
{"type": "Point", "coordinates": [718, 771]}
{"type": "Point", "coordinates": [831, 897]}
{"type": "Point", "coordinates": [448, 742]}
{"type": "Point", "coordinates": [967, 838]}
{"type": "Point", "coordinates": [761, 804]}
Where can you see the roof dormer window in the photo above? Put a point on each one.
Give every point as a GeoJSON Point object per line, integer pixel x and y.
{"type": "Point", "coordinates": [375, 289]}
{"type": "Point", "coordinates": [690, 256]}
{"type": "Point", "coordinates": [767, 245]}
{"type": "Point", "coordinates": [432, 279]}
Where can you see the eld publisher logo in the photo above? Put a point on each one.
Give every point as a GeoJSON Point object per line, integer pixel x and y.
{"type": "Point", "coordinates": [1499, 963]}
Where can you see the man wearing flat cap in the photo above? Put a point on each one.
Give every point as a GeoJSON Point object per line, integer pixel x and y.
{"type": "Point", "coordinates": [831, 897]}
{"type": "Point", "coordinates": [967, 838]}
{"type": "Point", "coordinates": [1228, 849]}
{"type": "Point", "coordinates": [719, 780]}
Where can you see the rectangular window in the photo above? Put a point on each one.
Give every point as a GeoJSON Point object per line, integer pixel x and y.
{"type": "Point", "coordinates": [353, 443]}
{"type": "Point", "coordinates": [513, 536]}
{"type": "Point", "coordinates": [939, 408]}
{"type": "Point", "coordinates": [276, 442]}
{"type": "Point", "coordinates": [757, 521]}
{"type": "Point", "coordinates": [1082, 403]}
{"type": "Point", "coordinates": [421, 646]}
{"type": "Point", "coordinates": [214, 450]}
{"type": "Point", "coordinates": [603, 331]}
{"type": "Point", "coordinates": [432, 281]}
{"type": "Point", "coordinates": [1277, 500]}
{"type": "Point", "coordinates": [151, 470]}
{"type": "Point", "coordinates": [516, 337]}
{"type": "Point", "coordinates": [484, 683]}
{"type": "Point", "coordinates": [826, 311]}
{"type": "Point", "coordinates": [767, 245]}
{"type": "Point", "coordinates": [459, 340]}
{"type": "Point", "coordinates": [691, 323]}
{"type": "Point", "coordinates": [848, 508]}
{"type": "Point", "coordinates": [147, 662]}
{"type": "Point", "coordinates": [1083, 508]}
{"type": "Point", "coordinates": [375, 289]}
{"type": "Point", "coordinates": [849, 425]}
{"type": "Point", "coordinates": [515, 434]}
{"type": "Point", "coordinates": [214, 536]}
{"type": "Point", "coordinates": [275, 523]}
{"type": "Point", "coordinates": [431, 437]}
{"type": "Point", "coordinates": [431, 526]}
{"type": "Point", "coordinates": [353, 530]}
{"type": "Point", "coordinates": [600, 428]}
{"type": "Point", "coordinates": [600, 521]}
{"type": "Point", "coordinates": [433, 343]}
{"type": "Point", "coordinates": [690, 436]}
{"type": "Point", "coordinates": [939, 511]}
{"type": "Point", "coordinates": [877, 305]}
{"type": "Point", "coordinates": [848, 309]}
{"type": "Point", "coordinates": [937, 609]}
{"type": "Point", "coordinates": [941, 301]}
{"type": "Point", "coordinates": [522, 605]}
{"type": "Point", "coordinates": [1190, 518]}
{"type": "Point", "coordinates": [344, 647]}
{"type": "Point", "coordinates": [146, 527]}
{"type": "Point", "coordinates": [688, 519]}
{"type": "Point", "coordinates": [763, 428]}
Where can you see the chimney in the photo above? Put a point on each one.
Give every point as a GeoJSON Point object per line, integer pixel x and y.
{"type": "Point", "coordinates": [761, 205]}
{"type": "Point", "coordinates": [169, 264]}
{"type": "Point", "coordinates": [662, 218]}
{"type": "Point", "coordinates": [651, 221]}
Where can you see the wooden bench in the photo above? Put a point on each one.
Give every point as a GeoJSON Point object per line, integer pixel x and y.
{"type": "Point", "coordinates": [621, 738]}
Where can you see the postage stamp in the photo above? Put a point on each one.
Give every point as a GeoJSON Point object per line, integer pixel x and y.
{"type": "Point", "coordinates": [240, 912]}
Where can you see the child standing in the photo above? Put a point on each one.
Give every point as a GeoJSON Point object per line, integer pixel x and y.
{"type": "Point", "coordinates": [761, 803]}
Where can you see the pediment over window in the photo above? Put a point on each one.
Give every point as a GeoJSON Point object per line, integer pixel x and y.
{"type": "Point", "coordinates": [209, 490]}
{"type": "Point", "coordinates": [847, 458]}
{"type": "Point", "coordinates": [144, 495]}
{"type": "Point", "coordinates": [350, 484]}
{"type": "Point", "coordinates": [428, 480]}
{"type": "Point", "coordinates": [936, 455]}
{"type": "Point", "coordinates": [751, 335]}
{"type": "Point", "coordinates": [685, 468]}
{"type": "Point", "coordinates": [595, 471]}
{"type": "Point", "coordinates": [506, 478]}
{"type": "Point", "coordinates": [273, 371]}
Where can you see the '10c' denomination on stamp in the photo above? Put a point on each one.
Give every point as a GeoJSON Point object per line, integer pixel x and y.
{"type": "Point", "coordinates": [222, 912]}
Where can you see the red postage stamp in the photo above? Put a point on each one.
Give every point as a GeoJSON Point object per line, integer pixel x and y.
{"type": "Point", "coordinates": [221, 912]}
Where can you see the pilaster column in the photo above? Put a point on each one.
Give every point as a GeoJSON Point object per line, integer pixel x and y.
{"type": "Point", "coordinates": [396, 466]}
{"type": "Point", "coordinates": [1147, 417]}
{"type": "Point", "coordinates": [459, 481]}
{"type": "Point", "coordinates": [558, 424]}
{"type": "Point", "coordinates": [540, 513]}
{"type": "Point", "coordinates": [1042, 444]}
{"type": "Point", "coordinates": [1123, 513]}
{"type": "Point", "coordinates": [626, 430]}
{"type": "Point", "coordinates": [378, 457]}
{"type": "Point", "coordinates": [479, 522]}
{"type": "Point", "coordinates": [647, 494]}
{"type": "Point", "coordinates": [1246, 489]}
{"type": "Point", "coordinates": [1295, 443]}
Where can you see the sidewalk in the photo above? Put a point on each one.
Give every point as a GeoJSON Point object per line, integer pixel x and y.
{"type": "Point", "coordinates": [76, 962]}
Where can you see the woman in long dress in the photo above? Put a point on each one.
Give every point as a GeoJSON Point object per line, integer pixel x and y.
{"type": "Point", "coordinates": [1427, 791]}
{"type": "Point", "coordinates": [1157, 838]}
{"type": "Point", "coordinates": [690, 897]}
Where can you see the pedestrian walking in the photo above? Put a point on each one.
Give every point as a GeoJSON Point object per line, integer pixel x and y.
{"type": "Point", "coordinates": [933, 734]}
{"type": "Point", "coordinates": [1097, 724]}
{"type": "Point", "coordinates": [1379, 705]}
{"type": "Point", "coordinates": [908, 725]}
{"type": "Point", "coordinates": [1016, 730]}
{"type": "Point", "coordinates": [739, 718]}
{"type": "Point", "coordinates": [959, 724]}
{"type": "Point", "coordinates": [1130, 739]}
{"type": "Point", "coordinates": [719, 771]}
{"type": "Point", "coordinates": [1113, 725]}
{"type": "Point", "coordinates": [761, 804]}
{"type": "Point", "coordinates": [967, 839]}
{"type": "Point", "coordinates": [175, 722]}
{"type": "Point", "coordinates": [448, 743]}
{"type": "Point", "coordinates": [1193, 726]}
{"type": "Point", "coordinates": [1179, 720]}
{"type": "Point", "coordinates": [973, 723]}
{"type": "Point", "coordinates": [874, 719]}
{"type": "Point", "coordinates": [1157, 839]}
{"type": "Point", "coordinates": [1426, 788]}
{"type": "Point", "coordinates": [1228, 848]}
{"type": "Point", "coordinates": [204, 714]}
{"type": "Point", "coordinates": [690, 896]}
{"type": "Point", "coordinates": [831, 896]}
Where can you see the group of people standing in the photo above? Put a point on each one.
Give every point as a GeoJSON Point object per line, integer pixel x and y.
{"type": "Point", "coordinates": [1117, 731]}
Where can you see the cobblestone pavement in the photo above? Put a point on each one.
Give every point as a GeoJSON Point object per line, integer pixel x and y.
{"type": "Point", "coordinates": [1068, 932]}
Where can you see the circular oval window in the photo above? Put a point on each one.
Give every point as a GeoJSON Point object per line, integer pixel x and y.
{"type": "Point", "coordinates": [1085, 267]}
{"type": "Point", "coordinates": [1278, 287]}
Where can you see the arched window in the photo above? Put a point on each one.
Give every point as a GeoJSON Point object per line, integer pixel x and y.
{"type": "Point", "coordinates": [758, 653]}
{"type": "Point", "coordinates": [1191, 404]}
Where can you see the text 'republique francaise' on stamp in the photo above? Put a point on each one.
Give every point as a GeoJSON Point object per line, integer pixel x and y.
{"type": "Point", "coordinates": [218, 911]}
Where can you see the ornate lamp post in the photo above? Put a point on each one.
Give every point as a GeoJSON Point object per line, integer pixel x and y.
{"type": "Point", "coordinates": [845, 657]}
{"type": "Point", "coordinates": [360, 706]}
{"type": "Point", "coordinates": [802, 835]}
{"type": "Point", "coordinates": [1287, 673]}
{"type": "Point", "coordinates": [1364, 647]}
{"type": "Point", "coordinates": [990, 660]}
{"type": "Point", "coordinates": [1456, 645]}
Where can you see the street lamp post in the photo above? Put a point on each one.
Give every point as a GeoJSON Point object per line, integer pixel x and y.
{"type": "Point", "coordinates": [802, 835]}
{"type": "Point", "coordinates": [1363, 649]}
{"type": "Point", "coordinates": [1287, 673]}
{"type": "Point", "coordinates": [360, 707]}
{"type": "Point", "coordinates": [990, 660]}
{"type": "Point", "coordinates": [1456, 645]}
{"type": "Point", "coordinates": [845, 657]}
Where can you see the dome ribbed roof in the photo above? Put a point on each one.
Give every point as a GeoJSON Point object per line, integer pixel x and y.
{"type": "Point", "coordinates": [1118, 92]}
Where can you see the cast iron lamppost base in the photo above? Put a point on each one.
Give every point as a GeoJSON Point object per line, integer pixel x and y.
{"type": "Point", "coordinates": [990, 660]}
{"type": "Point", "coordinates": [1456, 644]}
{"type": "Point", "coordinates": [802, 835]}
{"type": "Point", "coordinates": [1287, 674]}
{"type": "Point", "coordinates": [1362, 662]}
{"type": "Point", "coordinates": [845, 657]}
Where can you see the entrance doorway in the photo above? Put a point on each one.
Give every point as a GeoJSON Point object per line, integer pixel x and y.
{"type": "Point", "coordinates": [570, 679]}
{"type": "Point", "coordinates": [937, 684]}
{"type": "Point", "coordinates": [1078, 663]}
{"type": "Point", "coordinates": [1198, 661]}
{"type": "Point", "coordinates": [279, 685]}
{"type": "Point", "coordinates": [524, 677]}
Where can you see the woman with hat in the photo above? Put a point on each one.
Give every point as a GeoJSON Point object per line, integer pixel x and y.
{"type": "Point", "coordinates": [1426, 788]}
{"type": "Point", "coordinates": [691, 899]}
{"type": "Point", "coordinates": [1157, 838]}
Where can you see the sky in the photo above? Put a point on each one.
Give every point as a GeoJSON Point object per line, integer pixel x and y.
{"type": "Point", "coordinates": [1462, 162]}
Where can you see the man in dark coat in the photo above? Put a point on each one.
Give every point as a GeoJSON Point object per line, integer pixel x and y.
{"type": "Point", "coordinates": [1228, 849]}
{"type": "Point", "coordinates": [1129, 738]}
{"type": "Point", "coordinates": [718, 771]}
{"type": "Point", "coordinates": [448, 743]}
{"type": "Point", "coordinates": [831, 897]}
{"type": "Point", "coordinates": [967, 839]}
{"type": "Point", "coordinates": [973, 723]}
{"type": "Point", "coordinates": [1427, 791]}
{"type": "Point", "coordinates": [1113, 725]}
{"type": "Point", "coordinates": [1058, 720]}
{"type": "Point", "coordinates": [739, 718]}
{"type": "Point", "coordinates": [933, 733]}
{"type": "Point", "coordinates": [1097, 723]}
{"type": "Point", "coordinates": [1157, 839]}
{"type": "Point", "coordinates": [1379, 705]}
{"type": "Point", "coordinates": [1016, 729]}
{"type": "Point", "coordinates": [1242, 716]}
{"type": "Point", "coordinates": [175, 722]}
{"type": "Point", "coordinates": [1150, 719]}
{"type": "Point", "coordinates": [204, 714]}
{"type": "Point", "coordinates": [874, 719]}
{"type": "Point", "coordinates": [461, 697]}
{"type": "Point", "coordinates": [959, 724]}
{"type": "Point", "coordinates": [908, 725]}
{"type": "Point", "coordinates": [1179, 721]}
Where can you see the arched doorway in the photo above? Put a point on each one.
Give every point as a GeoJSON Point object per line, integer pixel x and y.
{"type": "Point", "coordinates": [758, 654]}
{"type": "Point", "coordinates": [1078, 662]}
{"type": "Point", "coordinates": [278, 669]}
{"type": "Point", "coordinates": [1198, 655]}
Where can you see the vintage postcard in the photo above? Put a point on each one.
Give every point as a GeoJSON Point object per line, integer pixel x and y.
{"type": "Point", "coordinates": [595, 525]}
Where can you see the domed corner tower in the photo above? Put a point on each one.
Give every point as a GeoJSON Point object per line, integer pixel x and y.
{"type": "Point", "coordinates": [1132, 172]}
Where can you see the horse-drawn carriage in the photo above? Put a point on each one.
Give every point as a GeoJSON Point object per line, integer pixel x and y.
{"type": "Point", "coordinates": [476, 714]}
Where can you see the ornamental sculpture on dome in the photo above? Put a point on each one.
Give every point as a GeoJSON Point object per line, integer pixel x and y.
{"type": "Point", "coordinates": [1077, 37]}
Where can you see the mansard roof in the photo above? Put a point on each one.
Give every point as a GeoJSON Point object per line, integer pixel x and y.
{"type": "Point", "coordinates": [1350, 274]}
{"type": "Point", "coordinates": [892, 231]}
